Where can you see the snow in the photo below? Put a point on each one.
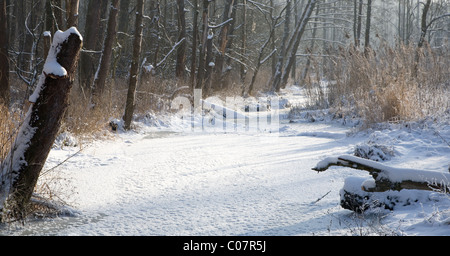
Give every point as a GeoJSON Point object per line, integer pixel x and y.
{"type": "Point", "coordinates": [166, 178]}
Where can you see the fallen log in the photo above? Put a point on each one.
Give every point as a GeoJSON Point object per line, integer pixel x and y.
{"type": "Point", "coordinates": [389, 178]}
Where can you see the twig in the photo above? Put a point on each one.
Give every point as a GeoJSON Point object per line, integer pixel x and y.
{"type": "Point", "coordinates": [47, 171]}
{"type": "Point", "coordinates": [320, 198]}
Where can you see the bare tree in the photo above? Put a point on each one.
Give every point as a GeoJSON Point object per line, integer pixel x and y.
{"type": "Point", "coordinates": [105, 60]}
{"type": "Point", "coordinates": [134, 70]}
{"type": "Point", "coordinates": [4, 59]}
{"type": "Point", "coordinates": [367, 32]}
{"type": "Point", "coordinates": [72, 12]}
{"type": "Point", "coordinates": [358, 4]}
{"type": "Point", "coordinates": [88, 59]}
{"type": "Point", "coordinates": [282, 54]}
{"type": "Point", "coordinates": [243, 69]}
{"type": "Point", "coordinates": [194, 43]}
{"type": "Point", "coordinates": [181, 51]}
{"type": "Point", "coordinates": [224, 36]}
{"type": "Point", "coordinates": [294, 43]}
{"type": "Point", "coordinates": [202, 47]}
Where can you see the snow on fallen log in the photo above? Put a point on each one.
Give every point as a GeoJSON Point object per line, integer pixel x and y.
{"type": "Point", "coordinates": [389, 178]}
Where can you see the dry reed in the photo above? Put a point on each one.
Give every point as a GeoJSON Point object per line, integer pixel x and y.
{"type": "Point", "coordinates": [382, 86]}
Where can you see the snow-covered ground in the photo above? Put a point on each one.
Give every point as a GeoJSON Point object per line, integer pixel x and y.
{"type": "Point", "coordinates": [163, 179]}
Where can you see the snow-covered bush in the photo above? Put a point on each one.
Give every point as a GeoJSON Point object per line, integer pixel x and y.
{"type": "Point", "coordinates": [374, 152]}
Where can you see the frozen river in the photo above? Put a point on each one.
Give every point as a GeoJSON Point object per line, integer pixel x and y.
{"type": "Point", "coordinates": [201, 184]}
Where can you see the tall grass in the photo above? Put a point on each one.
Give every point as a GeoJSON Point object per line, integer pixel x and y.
{"type": "Point", "coordinates": [383, 85]}
{"type": "Point", "coordinates": [9, 123]}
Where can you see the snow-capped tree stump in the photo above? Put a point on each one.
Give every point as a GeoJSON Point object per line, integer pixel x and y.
{"type": "Point", "coordinates": [390, 178]}
{"type": "Point", "coordinates": [21, 169]}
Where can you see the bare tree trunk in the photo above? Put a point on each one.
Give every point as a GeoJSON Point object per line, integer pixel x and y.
{"type": "Point", "coordinates": [367, 35]}
{"type": "Point", "coordinates": [194, 45]}
{"type": "Point", "coordinates": [88, 62]}
{"type": "Point", "coordinates": [423, 24]}
{"type": "Point", "coordinates": [223, 37]}
{"type": "Point", "coordinates": [72, 13]}
{"type": "Point", "coordinates": [134, 70]}
{"type": "Point", "coordinates": [295, 42]}
{"type": "Point", "coordinates": [407, 178]}
{"type": "Point", "coordinates": [209, 64]}
{"type": "Point", "coordinates": [4, 59]}
{"type": "Point", "coordinates": [202, 48]}
{"type": "Point", "coordinates": [423, 33]}
{"type": "Point", "coordinates": [181, 51]}
{"type": "Point", "coordinates": [21, 169]}
{"type": "Point", "coordinates": [50, 24]}
{"type": "Point", "coordinates": [358, 25]}
{"type": "Point", "coordinates": [282, 54]}
{"type": "Point", "coordinates": [105, 61]}
{"type": "Point", "coordinates": [310, 50]}
{"type": "Point", "coordinates": [244, 39]}
{"type": "Point", "coordinates": [123, 16]}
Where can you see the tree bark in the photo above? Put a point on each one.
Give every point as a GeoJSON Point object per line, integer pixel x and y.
{"type": "Point", "coordinates": [295, 42]}
{"type": "Point", "coordinates": [367, 34]}
{"type": "Point", "coordinates": [202, 47]}
{"type": "Point", "coordinates": [423, 33]}
{"type": "Point", "coordinates": [21, 169]}
{"type": "Point", "coordinates": [105, 61]}
{"type": "Point", "coordinates": [4, 59]}
{"type": "Point", "coordinates": [134, 70]}
{"type": "Point", "coordinates": [243, 70]}
{"type": "Point", "coordinates": [72, 13]}
{"type": "Point", "coordinates": [209, 64]}
{"type": "Point", "coordinates": [181, 51]}
{"type": "Point", "coordinates": [88, 62]}
{"type": "Point", "coordinates": [223, 37]}
{"type": "Point", "coordinates": [194, 44]}
{"type": "Point", "coordinates": [281, 55]}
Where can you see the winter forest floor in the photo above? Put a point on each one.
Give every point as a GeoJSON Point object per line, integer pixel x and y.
{"type": "Point", "coordinates": [161, 179]}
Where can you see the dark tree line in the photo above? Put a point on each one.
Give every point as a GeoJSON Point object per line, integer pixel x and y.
{"type": "Point", "coordinates": [205, 44]}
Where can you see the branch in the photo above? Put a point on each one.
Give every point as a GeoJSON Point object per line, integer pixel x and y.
{"type": "Point", "coordinates": [221, 24]}
{"type": "Point", "coordinates": [437, 18]}
{"type": "Point", "coordinates": [173, 49]}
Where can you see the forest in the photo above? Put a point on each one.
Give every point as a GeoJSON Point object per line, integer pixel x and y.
{"type": "Point", "coordinates": [379, 60]}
